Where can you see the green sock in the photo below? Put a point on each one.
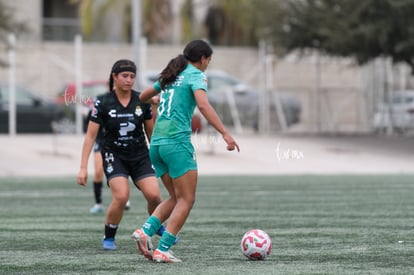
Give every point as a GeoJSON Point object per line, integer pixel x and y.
{"type": "Point", "coordinates": [167, 240]}
{"type": "Point", "coordinates": [151, 226]}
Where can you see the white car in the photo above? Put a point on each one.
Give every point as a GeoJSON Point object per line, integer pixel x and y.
{"type": "Point", "coordinates": [396, 113]}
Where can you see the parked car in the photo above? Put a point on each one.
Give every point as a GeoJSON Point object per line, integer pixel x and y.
{"type": "Point", "coordinates": [68, 98]}
{"type": "Point", "coordinates": [246, 99]}
{"type": "Point", "coordinates": [396, 112]}
{"type": "Point", "coordinates": [33, 113]}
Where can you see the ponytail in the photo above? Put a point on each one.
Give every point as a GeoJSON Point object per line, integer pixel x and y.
{"type": "Point", "coordinates": [172, 70]}
{"type": "Point", "coordinates": [111, 83]}
{"type": "Point", "coordinates": [193, 52]}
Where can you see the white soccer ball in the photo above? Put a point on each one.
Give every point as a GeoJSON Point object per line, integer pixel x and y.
{"type": "Point", "coordinates": [256, 244]}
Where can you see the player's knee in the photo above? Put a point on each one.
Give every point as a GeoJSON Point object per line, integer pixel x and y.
{"type": "Point", "coordinates": [154, 198]}
{"type": "Point", "coordinates": [188, 202]}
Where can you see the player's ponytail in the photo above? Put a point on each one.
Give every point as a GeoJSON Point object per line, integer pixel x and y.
{"type": "Point", "coordinates": [172, 70]}
{"type": "Point", "coordinates": [193, 52]}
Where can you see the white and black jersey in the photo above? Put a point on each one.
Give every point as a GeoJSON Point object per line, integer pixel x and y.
{"type": "Point", "coordinates": [123, 125]}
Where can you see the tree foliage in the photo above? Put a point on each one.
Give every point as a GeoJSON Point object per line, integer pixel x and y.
{"type": "Point", "coordinates": [96, 16]}
{"type": "Point", "coordinates": [8, 24]}
{"type": "Point", "coordinates": [97, 19]}
{"type": "Point", "coordinates": [363, 30]}
{"type": "Point", "coordinates": [232, 22]}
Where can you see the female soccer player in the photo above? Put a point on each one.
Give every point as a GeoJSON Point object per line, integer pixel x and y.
{"type": "Point", "coordinates": [99, 173]}
{"type": "Point", "coordinates": [124, 150]}
{"type": "Point", "coordinates": [182, 85]}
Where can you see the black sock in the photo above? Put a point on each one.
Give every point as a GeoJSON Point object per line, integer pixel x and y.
{"type": "Point", "coordinates": [110, 231]}
{"type": "Point", "coordinates": [97, 191]}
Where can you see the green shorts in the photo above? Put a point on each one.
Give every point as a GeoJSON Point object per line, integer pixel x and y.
{"type": "Point", "coordinates": [175, 159]}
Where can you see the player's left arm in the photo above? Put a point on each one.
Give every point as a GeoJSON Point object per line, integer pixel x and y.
{"type": "Point", "coordinates": [148, 127]}
{"type": "Point", "coordinates": [148, 120]}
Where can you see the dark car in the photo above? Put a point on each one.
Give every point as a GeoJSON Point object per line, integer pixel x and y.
{"type": "Point", "coordinates": [228, 94]}
{"type": "Point", "coordinates": [33, 113]}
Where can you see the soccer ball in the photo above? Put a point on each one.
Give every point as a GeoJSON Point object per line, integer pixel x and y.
{"type": "Point", "coordinates": [256, 244]}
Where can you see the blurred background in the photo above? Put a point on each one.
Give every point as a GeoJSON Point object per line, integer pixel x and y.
{"type": "Point", "coordinates": [321, 66]}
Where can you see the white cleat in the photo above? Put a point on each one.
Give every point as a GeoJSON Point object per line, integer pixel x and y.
{"type": "Point", "coordinates": [144, 243]}
{"type": "Point", "coordinates": [164, 257]}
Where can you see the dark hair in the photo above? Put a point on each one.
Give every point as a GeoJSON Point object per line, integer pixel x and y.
{"type": "Point", "coordinates": [193, 52]}
{"type": "Point", "coordinates": [122, 65]}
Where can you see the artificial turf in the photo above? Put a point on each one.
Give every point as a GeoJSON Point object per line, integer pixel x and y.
{"type": "Point", "coordinates": [336, 224]}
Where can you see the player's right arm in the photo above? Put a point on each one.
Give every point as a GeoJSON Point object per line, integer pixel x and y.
{"type": "Point", "coordinates": [90, 137]}
{"type": "Point", "coordinates": [149, 95]}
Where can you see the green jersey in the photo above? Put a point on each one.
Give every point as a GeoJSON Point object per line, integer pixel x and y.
{"type": "Point", "coordinates": [176, 108]}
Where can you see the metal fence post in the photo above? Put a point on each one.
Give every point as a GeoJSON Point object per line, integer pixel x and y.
{"type": "Point", "coordinates": [79, 92]}
{"type": "Point", "coordinates": [12, 84]}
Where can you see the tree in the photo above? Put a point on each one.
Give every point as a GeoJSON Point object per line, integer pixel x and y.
{"type": "Point", "coordinates": [105, 20]}
{"type": "Point", "coordinates": [363, 30]}
{"type": "Point", "coordinates": [233, 22]}
{"type": "Point", "coordinates": [8, 24]}
{"type": "Point", "coordinates": [110, 20]}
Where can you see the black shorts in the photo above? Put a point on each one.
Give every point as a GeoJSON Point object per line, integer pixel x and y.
{"type": "Point", "coordinates": [137, 168]}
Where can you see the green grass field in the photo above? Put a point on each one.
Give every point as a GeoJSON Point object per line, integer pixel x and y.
{"type": "Point", "coordinates": [318, 225]}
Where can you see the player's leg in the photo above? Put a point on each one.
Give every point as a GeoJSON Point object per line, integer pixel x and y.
{"type": "Point", "coordinates": [151, 191]}
{"type": "Point", "coordinates": [183, 179]}
{"type": "Point", "coordinates": [185, 187]}
{"type": "Point", "coordinates": [183, 171]}
{"type": "Point", "coordinates": [165, 211]}
{"type": "Point", "coordinates": [97, 182]}
{"type": "Point", "coordinates": [143, 235]}
{"type": "Point", "coordinates": [185, 191]}
{"type": "Point", "coordinates": [120, 194]}
{"type": "Point", "coordinates": [158, 215]}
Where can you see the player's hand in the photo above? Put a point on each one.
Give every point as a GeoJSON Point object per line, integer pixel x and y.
{"type": "Point", "coordinates": [82, 177]}
{"type": "Point", "coordinates": [231, 143]}
{"type": "Point", "coordinates": [155, 100]}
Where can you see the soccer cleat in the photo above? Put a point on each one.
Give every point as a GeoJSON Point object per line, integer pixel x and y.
{"type": "Point", "coordinates": [128, 205]}
{"type": "Point", "coordinates": [144, 243]}
{"type": "Point", "coordinates": [97, 208]}
{"type": "Point", "coordinates": [164, 257]}
{"type": "Point", "coordinates": [161, 231]}
{"type": "Point", "coordinates": [109, 244]}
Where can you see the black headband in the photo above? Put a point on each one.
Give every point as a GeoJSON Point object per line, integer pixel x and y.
{"type": "Point", "coordinates": [125, 66]}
